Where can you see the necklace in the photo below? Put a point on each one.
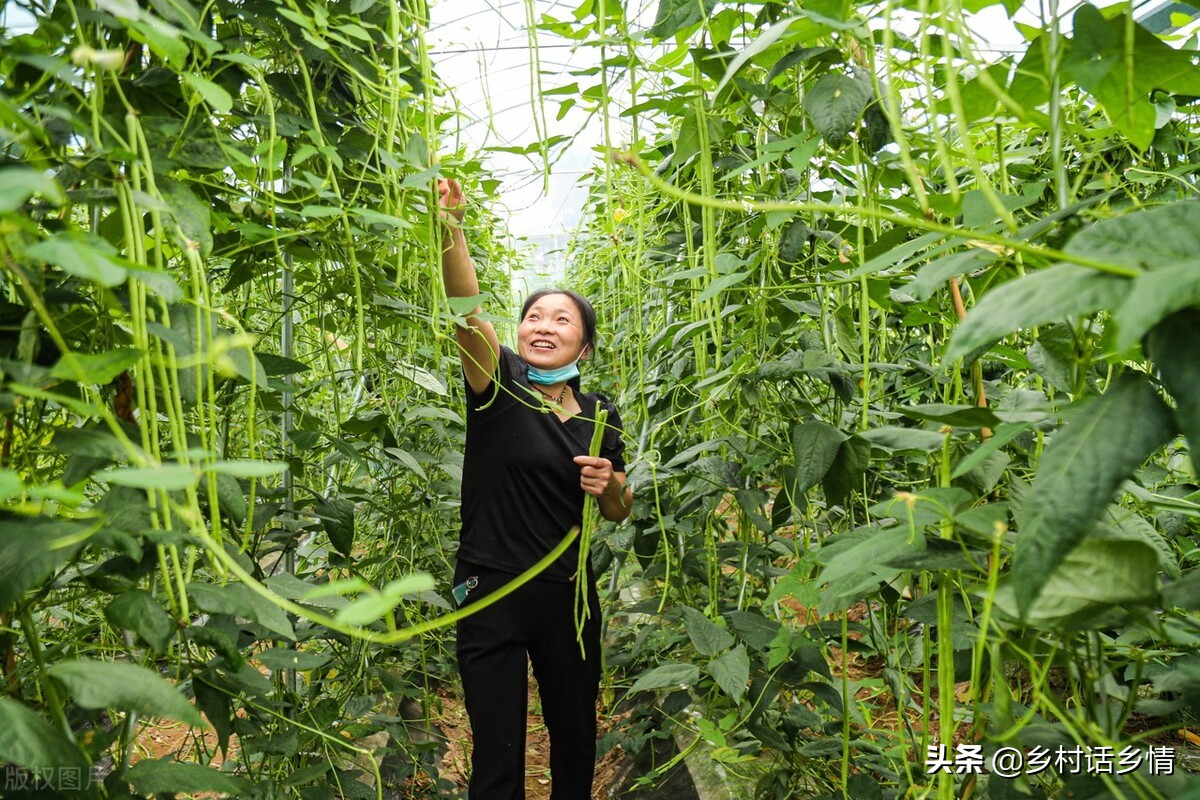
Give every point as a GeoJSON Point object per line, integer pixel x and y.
{"type": "Point", "coordinates": [556, 400]}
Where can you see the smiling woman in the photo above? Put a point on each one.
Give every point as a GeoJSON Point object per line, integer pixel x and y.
{"type": "Point", "coordinates": [528, 468]}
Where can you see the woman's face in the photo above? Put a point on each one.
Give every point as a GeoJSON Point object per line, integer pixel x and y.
{"type": "Point", "coordinates": [551, 333]}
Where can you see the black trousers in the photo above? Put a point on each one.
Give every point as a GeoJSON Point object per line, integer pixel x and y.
{"type": "Point", "coordinates": [495, 646]}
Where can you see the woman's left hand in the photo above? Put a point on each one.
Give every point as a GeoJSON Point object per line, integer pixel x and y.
{"type": "Point", "coordinates": [595, 475]}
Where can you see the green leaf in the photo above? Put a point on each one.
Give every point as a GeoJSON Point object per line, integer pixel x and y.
{"type": "Point", "coordinates": [1154, 296]}
{"type": "Point", "coordinates": [174, 777]}
{"type": "Point", "coordinates": [215, 703]}
{"type": "Point", "coordinates": [97, 368]}
{"type": "Point", "coordinates": [124, 687]}
{"type": "Point", "coordinates": [407, 459]}
{"type": "Point", "coordinates": [796, 584]}
{"type": "Point", "coordinates": [31, 548]}
{"type": "Point", "coordinates": [27, 740]}
{"type": "Point", "coordinates": [894, 438]}
{"type": "Point", "coordinates": [731, 672]}
{"type": "Point", "coordinates": [138, 611]}
{"type": "Point", "coordinates": [720, 284]}
{"type": "Point", "coordinates": [163, 39]}
{"type": "Point", "coordinates": [708, 637]}
{"type": "Point", "coordinates": [1174, 346]}
{"type": "Point", "coordinates": [958, 415]}
{"type": "Point", "coordinates": [90, 443]}
{"type": "Point", "coordinates": [423, 378]}
{"type": "Point", "coordinates": [276, 366]}
{"type": "Point", "coordinates": [873, 548]}
{"type": "Point", "coordinates": [1094, 576]}
{"type": "Point", "coordinates": [158, 282]}
{"type": "Point", "coordinates": [371, 607]}
{"type": "Point", "coordinates": [85, 257]}
{"type": "Point", "coordinates": [239, 600]}
{"type": "Point", "coordinates": [761, 42]}
{"type": "Point", "coordinates": [191, 214]}
{"type": "Point", "coordinates": [1130, 525]}
{"type": "Point", "coordinates": [675, 15]}
{"type": "Point", "coordinates": [1121, 71]}
{"type": "Point", "coordinates": [277, 658]}
{"type": "Point", "coordinates": [216, 97]}
{"type": "Point", "coordinates": [230, 498]}
{"type": "Point", "coordinates": [248, 468]}
{"type": "Point", "coordinates": [11, 484]}
{"type": "Point", "coordinates": [835, 104]}
{"type": "Point", "coordinates": [815, 445]}
{"type": "Point", "coordinates": [846, 472]}
{"type": "Point", "coordinates": [1151, 239]}
{"type": "Point", "coordinates": [1078, 475]}
{"type": "Point", "coordinates": [753, 628]}
{"type": "Point", "coordinates": [1047, 296]}
{"type": "Point", "coordinates": [337, 517]}
{"type": "Point", "coordinates": [794, 241]}
{"type": "Point", "coordinates": [18, 184]}
{"type": "Point", "coordinates": [171, 477]}
{"type": "Point", "coordinates": [1001, 437]}
{"type": "Point", "coordinates": [667, 676]}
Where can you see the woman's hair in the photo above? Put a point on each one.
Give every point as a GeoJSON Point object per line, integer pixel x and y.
{"type": "Point", "coordinates": [587, 314]}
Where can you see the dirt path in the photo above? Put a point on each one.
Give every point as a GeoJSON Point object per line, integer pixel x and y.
{"type": "Point", "coordinates": [166, 738]}
{"type": "Point", "coordinates": [456, 762]}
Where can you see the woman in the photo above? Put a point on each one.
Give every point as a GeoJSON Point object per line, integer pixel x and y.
{"type": "Point", "coordinates": [525, 474]}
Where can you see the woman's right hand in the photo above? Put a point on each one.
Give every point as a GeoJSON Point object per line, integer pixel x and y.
{"type": "Point", "coordinates": [451, 199]}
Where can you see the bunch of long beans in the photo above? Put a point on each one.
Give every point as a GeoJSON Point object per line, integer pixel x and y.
{"type": "Point", "coordinates": [590, 512]}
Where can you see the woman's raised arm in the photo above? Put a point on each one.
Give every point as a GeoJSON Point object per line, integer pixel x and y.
{"type": "Point", "coordinates": [477, 343]}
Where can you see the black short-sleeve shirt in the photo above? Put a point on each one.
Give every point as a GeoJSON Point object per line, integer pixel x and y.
{"type": "Point", "coordinates": [520, 486]}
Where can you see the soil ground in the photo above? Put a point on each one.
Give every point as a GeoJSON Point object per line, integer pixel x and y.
{"type": "Point", "coordinates": [165, 738]}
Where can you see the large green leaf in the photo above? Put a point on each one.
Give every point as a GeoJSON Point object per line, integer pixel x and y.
{"type": "Point", "coordinates": [171, 477]}
{"type": "Point", "coordinates": [337, 517]}
{"type": "Point", "coordinates": [124, 687]}
{"type": "Point", "coordinates": [89, 442]}
{"type": "Point", "coordinates": [1078, 475]}
{"type": "Point", "coordinates": [18, 184]}
{"type": "Point", "coordinates": [174, 777]}
{"type": "Point", "coordinates": [1121, 71]}
{"type": "Point", "coordinates": [1151, 239]}
{"type": "Point", "coordinates": [1047, 296]}
{"type": "Point", "coordinates": [1094, 576]}
{"type": "Point", "coordinates": [667, 676]}
{"type": "Point", "coordinates": [192, 215]}
{"type": "Point", "coordinates": [708, 637]}
{"type": "Point", "coordinates": [720, 284]}
{"type": "Point", "coordinates": [835, 104]}
{"type": "Point", "coordinates": [731, 672]}
{"type": "Point", "coordinates": [370, 607]}
{"type": "Point", "coordinates": [759, 45]}
{"type": "Point", "coordinates": [675, 15]}
{"type": "Point", "coordinates": [99, 368]}
{"type": "Point", "coordinates": [239, 600]}
{"type": "Point", "coordinates": [814, 446]}
{"type": "Point", "coordinates": [31, 548]}
{"type": "Point", "coordinates": [1174, 345]}
{"type": "Point", "coordinates": [753, 628]}
{"type": "Point", "coordinates": [277, 658]}
{"type": "Point", "coordinates": [138, 611]}
{"type": "Point", "coordinates": [86, 257]}
{"type": "Point", "coordinates": [1155, 295]}
{"type": "Point", "coordinates": [846, 473]}
{"type": "Point", "coordinates": [28, 741]}
{"type": "Point", "coordinates": [894, 438]}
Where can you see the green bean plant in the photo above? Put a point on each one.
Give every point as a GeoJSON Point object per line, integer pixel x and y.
{"type": "Point", "coordinates": [907, 335]}
{"type": "Point", "coordinates": [230, 443]}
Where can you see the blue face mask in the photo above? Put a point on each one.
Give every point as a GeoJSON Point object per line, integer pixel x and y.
{"type": "Point", "coordinates": [547, 377]}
